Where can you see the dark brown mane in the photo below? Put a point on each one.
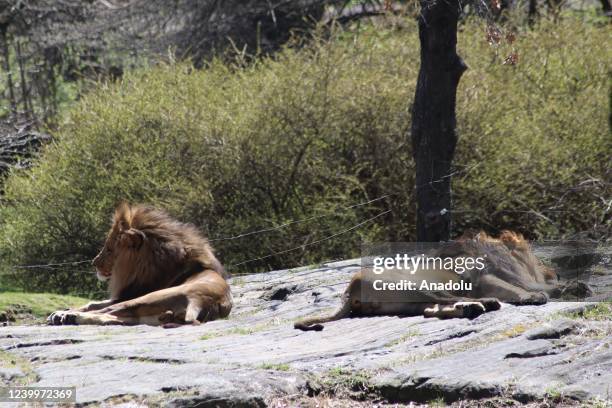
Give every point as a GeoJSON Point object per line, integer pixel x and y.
{"type": "Point", "coordinates": [169, 253]}
{"type": "Point", "coordinates": [158, 225]}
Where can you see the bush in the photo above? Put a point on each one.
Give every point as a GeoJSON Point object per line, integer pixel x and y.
{"type": "Point", "coordinates": [308, 133]}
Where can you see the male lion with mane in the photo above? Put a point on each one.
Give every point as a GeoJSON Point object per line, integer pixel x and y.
{"type": "Point", "coordinates": [511, 274]}
{"type": "Point", "coordinates": [159, 272]}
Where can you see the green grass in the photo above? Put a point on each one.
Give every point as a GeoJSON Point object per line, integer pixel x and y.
{"type": "Point", "coordinates": [597, 403]}
{"type": "Point", "coordinates": [9, 360]}
{"type": "Point", "coordinates": [410, 334]}
{"type": "Point", "coordinates": [553, 392]}
{"type": "Point", "coordinates": [436, 403]}
{"type": "Point", "coordinates": [40, 304]}
{"type": "Point", "coordinates": [338, 377]}
{"type": "Point", "coordinates": [601, 311]}
{"type": "Point", "coordinates": [277, 367]}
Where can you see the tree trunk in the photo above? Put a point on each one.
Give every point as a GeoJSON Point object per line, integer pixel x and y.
{"type": "Point", "coordinates": [7, 69]}
{"type": "Point", "coordinates": [532, 12]}
{"type": "Point", "coordinates": [27, 105]}
{"type": "Point", "coordinates": [433, 117]}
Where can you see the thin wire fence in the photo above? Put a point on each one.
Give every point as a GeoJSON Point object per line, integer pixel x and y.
{"type": "Point", "coordinates": [354, 227]}
{"type": "Point", "coordinates": [62, 265]}
{"type": "Point", "coordinates": [538, 213]}
{"type": "Point", "coordinates": [282, 226]}
{"type": "Point", "coordinates": [53, 265]}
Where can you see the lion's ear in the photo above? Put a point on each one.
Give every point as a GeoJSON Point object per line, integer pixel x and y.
{"type": "Point", "coordinates": [132, 238]}
{"type": "Point", "coordinates": [123, 216]}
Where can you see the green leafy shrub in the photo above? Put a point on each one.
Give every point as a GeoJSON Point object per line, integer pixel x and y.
{"type": "Point", "coordinates": [310, 132]}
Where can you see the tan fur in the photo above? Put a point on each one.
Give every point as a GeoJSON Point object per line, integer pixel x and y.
{"type": "Point", "coordinates": [513, 274]}
{"type": "Point", "coordinates": [160, 271]}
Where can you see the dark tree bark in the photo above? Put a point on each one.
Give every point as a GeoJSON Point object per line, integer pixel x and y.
{"type": "Point", "coordinates": [605, 5]}
{"type": "Point", "coordinates": [433, 117]}
{"type": "Point", "coordinates": [25, 98]}
{"type": "Point", "coordinates": [532, 13]}
{"type": "Point", "coordinates": [7, 69]}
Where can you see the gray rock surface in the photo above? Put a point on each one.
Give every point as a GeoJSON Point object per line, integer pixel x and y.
{"type": "Point", "coordinates": [10, 373]}
{"type": "Point", "coordinates": [256, 356]}
{"type": "Point", "coordinates": [554, 330]}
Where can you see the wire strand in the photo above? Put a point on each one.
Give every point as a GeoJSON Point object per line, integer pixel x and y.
{"type": "Point", "coordinates": [229, 238]}
{"type": "Point", "coordinates": [313, 242]}
{"type": "Point", "coordinates": [270, 229]}
{"type": "Point", "coordinates": [52, 265]}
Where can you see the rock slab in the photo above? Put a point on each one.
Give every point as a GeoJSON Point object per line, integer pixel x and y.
{"type": "Point", "coordinates": [256, 356]}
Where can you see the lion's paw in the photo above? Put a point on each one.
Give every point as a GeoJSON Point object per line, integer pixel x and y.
{"type": "Point", "coordinates": [62, 317]}
{"type": "Point", "coordinates": [470, 310]}
{"type": "Point", "coordinates": [536, 298]}
{"type": "Point", "coordinates": [490, 304]}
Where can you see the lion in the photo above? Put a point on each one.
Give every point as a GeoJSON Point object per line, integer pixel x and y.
{"type": "Point", "coordinates": [159, 271]}
{"type": "Point", "coordinates": [511, 273]}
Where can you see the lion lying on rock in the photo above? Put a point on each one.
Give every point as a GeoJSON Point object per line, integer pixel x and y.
{"type": "Point", "coordinates": [160, 272]}
{"type": "Point", "coordinates": [511, 273]}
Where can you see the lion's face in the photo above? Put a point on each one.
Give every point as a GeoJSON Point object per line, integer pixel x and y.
{"type": "Point", "coordinates": [121, 241]}
{"type": "Point", "coordinates": [104, 261]}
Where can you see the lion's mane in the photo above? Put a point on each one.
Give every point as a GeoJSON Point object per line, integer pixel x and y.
{"type": "Point", "coordinates": [167, 253]}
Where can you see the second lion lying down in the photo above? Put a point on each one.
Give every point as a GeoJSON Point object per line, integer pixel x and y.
{"type": "Point", "coordinates": [160, 272]}
{"type": "Point", "coordinates": [511, 274]}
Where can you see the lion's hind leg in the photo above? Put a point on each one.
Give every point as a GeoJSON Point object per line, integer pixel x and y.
{"type": "Point", "coordinates": [511, 293]}
{"type": "Point", "coordinates": [202, 310]}
{"type": "Point", "coordinates": [172, 307]}
{"type": "Point", "coordinates": [199, 310]}
{"type": "Point", "coordinates": [154, 309]}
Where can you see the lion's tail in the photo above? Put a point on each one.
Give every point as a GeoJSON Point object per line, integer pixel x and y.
{"type": "Point", "coordinates": [314, 323]}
